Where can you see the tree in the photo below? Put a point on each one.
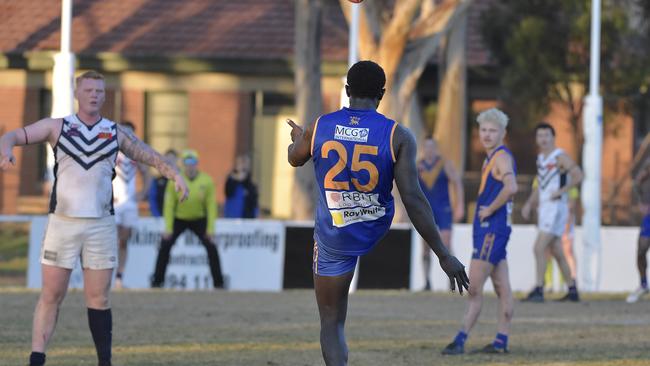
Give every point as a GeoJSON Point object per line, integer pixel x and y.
{"type": "Point", "coordinates": [541, 48]}
{"type": "Point", "coordinates": [308, 94]}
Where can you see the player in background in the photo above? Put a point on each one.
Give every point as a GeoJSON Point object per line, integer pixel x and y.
{"type": "Point", "coordinates": [125, 202]}
{"type": "Point", "coordinates": [435, 173]}
{"type": "Point", "coordinates": [81, 222]}
{"type": "Point", "coordinates": [491, 232]}
{"type": "Point", "coordinates": [556, 175]}
{"type": "Point", "coordinates": [640, 182]}
{"type": "Point", "coordinates": [156, 194]}
{"type": "Point", "coordinates": [357, 152]}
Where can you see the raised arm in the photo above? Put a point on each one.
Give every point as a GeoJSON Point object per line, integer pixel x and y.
{"type": "Point", "coordinates": [299, 151]}
{"type": "Point", "coordinates": [504, 172]}
{"type": "Point", "coordinates": [459, 191]}
{"type": "Point", "coordinates": [417, 206]}
{"type": "Point", "coordinates": [137, 150]}
{"type": "Point", "coordinates": [47, 129]}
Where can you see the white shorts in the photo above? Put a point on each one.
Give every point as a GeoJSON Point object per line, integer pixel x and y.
{"type": "Point", "coordinates": [126, 214]}
{"type": "Point", "coordinates": [94, 240]}
{"type": "Point", "coordinates": [552, 217]}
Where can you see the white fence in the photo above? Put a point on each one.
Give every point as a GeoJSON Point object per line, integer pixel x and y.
{"type": "Point", "coordinates": [252, 257]}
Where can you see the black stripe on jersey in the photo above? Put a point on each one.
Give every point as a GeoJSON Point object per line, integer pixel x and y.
{"type": "Point", "coordinates": [563, 180]}
{"type": "Point", "coordinates": [53, 194]}
{"type": "Point", "coordinates": [89, 165]}
{"type": "Point", "coordinates": [544, 183]}
{"type": "Point", "coordinates": [81, 135]}
{"type": "Point", "coordinates": [112, 210]}
{"type": "Point", "coordinates": [85, 150]}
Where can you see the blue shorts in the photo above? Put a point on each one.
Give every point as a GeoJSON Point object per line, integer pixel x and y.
{"type": "Point", "coordinates": [443, 217]}
{"type": "Point", "coordinates": [326, 263]}
{"type": "Point", "coordinates": [645, 227]}
{"type": "Point", "coordinates": [490, 247]}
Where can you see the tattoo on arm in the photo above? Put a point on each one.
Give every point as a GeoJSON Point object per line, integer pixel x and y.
{"type": "Point", "coordinates": [137, 150]}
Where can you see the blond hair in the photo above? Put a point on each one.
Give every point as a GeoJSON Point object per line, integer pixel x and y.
{"type": "Point", "coordinates": [493, 115]}
{"type": "Point", "coordinates": [91, 74]}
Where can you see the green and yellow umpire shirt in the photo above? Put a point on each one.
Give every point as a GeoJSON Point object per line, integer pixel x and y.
{"type": "Point", "coordinates": [201, 202]}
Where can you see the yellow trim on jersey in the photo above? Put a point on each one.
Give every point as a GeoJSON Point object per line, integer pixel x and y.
{"type": "Point", "coordinates": [392, 150]}
{"type": "Point", "coordinates": [429, 177]}
{"type": "Point", "coordinates": [487, 169]}
{"type": "Point", "coordinates": [486, 248]}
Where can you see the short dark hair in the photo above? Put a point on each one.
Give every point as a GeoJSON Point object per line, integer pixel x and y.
{"type": "Point", "coordinates": [128, 124]}
{"type": "Point", "coordinates": [171, 151]}
{"type": "Point", "coordinates": [366, 79]}
{"type": "Point", "coordinates": [545, 126]}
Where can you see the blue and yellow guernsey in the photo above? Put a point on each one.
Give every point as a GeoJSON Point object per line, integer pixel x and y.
{"type": "Point", "coordinates": [353, 162]}
{"type": "Point", "coordinates": [500, 221]}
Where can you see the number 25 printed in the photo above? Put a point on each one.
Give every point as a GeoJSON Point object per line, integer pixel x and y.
{"type": "Point", "coordinates": [357, 165]}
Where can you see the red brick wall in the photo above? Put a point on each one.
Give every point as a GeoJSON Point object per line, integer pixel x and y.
{"type": "Point", "coordinates": [12, 114]}
{"type": "Point", "coordinates": [133, 109]}
{"type": "Point", "coordinates": [31, 184]}
{"type": "Point", "coordinates": [219, 129]}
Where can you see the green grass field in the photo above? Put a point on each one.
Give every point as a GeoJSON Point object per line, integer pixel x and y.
{"type": "Point", "coordinates": [384, 328]}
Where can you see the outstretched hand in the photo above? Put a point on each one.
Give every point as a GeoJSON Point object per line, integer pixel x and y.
{"type": "Point", "coordinates": [296, 131]}
{"type": "Point", "coordinates": [181, 187]}
{"type": "Point", "coordinates": [6, 161]}
{"type": "Point", "coordinates": [456, 272]}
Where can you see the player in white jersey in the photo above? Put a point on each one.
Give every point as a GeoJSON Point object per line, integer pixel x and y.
{"type": "Point", "coordinates": [556, 175]}
{"type": "Point", "coordinates": [125, 202]}
{"type": "Point", "coordinates": [81, 222]}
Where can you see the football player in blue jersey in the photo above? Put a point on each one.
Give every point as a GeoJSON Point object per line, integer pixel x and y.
{"type": "Point", "coordinates": [491, 232]}
{"type": "Point", "coordinates": [357, 153]}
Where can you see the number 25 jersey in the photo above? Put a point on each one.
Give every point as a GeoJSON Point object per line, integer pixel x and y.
{"type": "Point", "coordinates": [353, 161]}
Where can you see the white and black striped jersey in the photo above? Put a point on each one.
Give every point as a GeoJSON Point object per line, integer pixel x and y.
{"type": "Point", "coordinates": [549, 176]}
{"type": "Point", "coordinates": [124, 182]}
{"type": "Point", "coordinates": [85, 158]}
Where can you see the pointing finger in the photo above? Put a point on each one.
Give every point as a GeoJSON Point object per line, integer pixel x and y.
{"type": "Point", "coordinates": [292, 123]}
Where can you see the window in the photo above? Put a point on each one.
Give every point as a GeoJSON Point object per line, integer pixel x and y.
{"type": "Point", "coordinates": [166, 120]}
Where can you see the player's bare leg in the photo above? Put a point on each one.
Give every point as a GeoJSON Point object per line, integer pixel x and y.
{"type": "Point", "coordinates": [123, 234]}
{"type": "Point", "coordinates": [558, 254]}
{"type": "Point", "coordinates": [542, 243]}
{"type": "Point", "coordinates": [567, 247]}
{"type": "Point", "coordinates": [445, 235]}
{"type": "Point", "coordinates": [479, 271]}
{"type": "Point", "coordinates": [642, 266]}
{"type": "Point", "coordinates": [501, 281]}
{"type": "Point", "coordinates": [97, 284]}
{"type": "Point", "coordinates": [332, 299]}
{"type": "Point", "coordinates": [55, 286]}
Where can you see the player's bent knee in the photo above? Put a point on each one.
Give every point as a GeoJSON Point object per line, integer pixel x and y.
{"type": "Point", "coordinates": [52, 297]}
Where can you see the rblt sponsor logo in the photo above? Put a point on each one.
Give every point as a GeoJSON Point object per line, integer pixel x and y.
{"type": "Point", "coordinates": [351, 199]}
{"type": "Point", "coordinates": [345, 217]}
{"type": "Point", "coordinates": [356, 134]}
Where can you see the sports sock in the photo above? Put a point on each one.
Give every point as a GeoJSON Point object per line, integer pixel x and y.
{"type": "Point", "coordinates": [573, 289]}
{"type": "Point", "coordinates": [500, 341]}
{"type": "Point", "coordinates": [461, 337]}
{"type": "Point", "coordinates": [37, 359]}
{"type": "Point", "coordinates": [118, 275]}
{"type": "Point", "coordinates": [101, 327]}
{"type": "Point", "coordinates": [644, 282]}
{"type": "Point", "coordinates": [539, 290]}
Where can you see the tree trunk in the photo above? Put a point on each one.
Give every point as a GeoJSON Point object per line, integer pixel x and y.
{"type": "Point", "coordinates": [451, 124]}
{"type": "Point", "coordinates": [308, 95]}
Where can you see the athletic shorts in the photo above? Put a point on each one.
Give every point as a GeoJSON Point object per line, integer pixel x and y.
{"type": "Point", "coordinates": [490, 247]}
{"type": "Point", "coordinates": [126, 214]}
{"type": "Point", "coordinates": [552, 217]}
{"type": "Point", "coordinates": [326, 263]}
{"type": "Point", "coordinates": [645, 227]}
{"type": "Point", "coordinates": [443, 217]}
{"type": "Point", "coordinates": [94, 240]}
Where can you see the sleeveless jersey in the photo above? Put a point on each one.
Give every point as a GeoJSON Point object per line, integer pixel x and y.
{"type": "Point", "coordinates": [434, 182]}
{"type": "Point", "coordinates": [124, 182]}
{"type": "Point", "coordinates": [84, 167]}
{"type": "Point", "coordinates": [500, 221]}
{"type": "Point", "coordinates": [353, 161]}
{"type": "Point", "coordinates": [549, 176]}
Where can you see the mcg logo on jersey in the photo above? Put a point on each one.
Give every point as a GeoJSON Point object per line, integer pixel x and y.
{"type": "Point", "coordinates": [355, 134]}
